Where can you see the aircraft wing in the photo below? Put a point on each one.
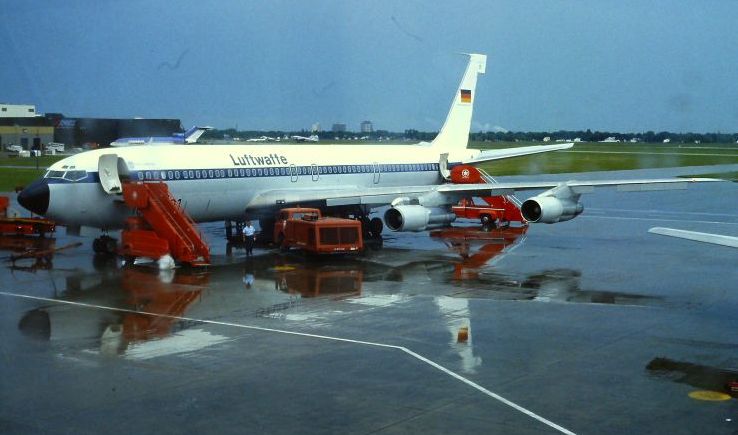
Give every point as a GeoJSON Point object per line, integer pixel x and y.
{"type": "Point", "coordinates": [506, 153]}
{"type": "Point", "coordinates": [446, 194]}
{"type": "Point", "coordinates": [715, 239]}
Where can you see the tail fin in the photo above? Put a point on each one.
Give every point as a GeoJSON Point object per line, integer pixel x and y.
{"type": "Point", "coordinates": [194, 133]}
{"type": "Point", "coordinates": [455, 132]}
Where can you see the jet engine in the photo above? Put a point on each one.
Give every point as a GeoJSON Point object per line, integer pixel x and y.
{"type": "Point", "coordinates": [416, 218]}
{"type": "Point", "coordinates": [556, 205]}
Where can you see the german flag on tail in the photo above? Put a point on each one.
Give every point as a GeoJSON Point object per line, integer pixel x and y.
{"type": "Point", "coordinates": [465, 96]}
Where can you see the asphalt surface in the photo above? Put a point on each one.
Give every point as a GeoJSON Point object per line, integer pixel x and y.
{"type": "Point", "coordinates": [587, 326]}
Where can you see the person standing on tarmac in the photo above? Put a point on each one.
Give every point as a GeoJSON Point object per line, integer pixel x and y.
{"type": "Point", "coordinates": [249, 235]}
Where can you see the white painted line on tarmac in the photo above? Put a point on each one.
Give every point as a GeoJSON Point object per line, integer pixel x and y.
{"type": "Point", "coordinates": [657, 219]}
{"type": "Point", "coordinates": [664, 212]}
{"type": "Point", "coordinates": [303, 334]}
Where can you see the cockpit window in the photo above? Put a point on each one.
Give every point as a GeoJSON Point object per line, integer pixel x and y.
{"type": "Point", "coordinates": [67, 175]}
{"type": "Point", "coordinates": [55, 174]}
{"type": "Point", "coordinates": [75, 175]}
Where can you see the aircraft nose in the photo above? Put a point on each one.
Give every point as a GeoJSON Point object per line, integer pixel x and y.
{"type": "Point", "coordinates": [35, 197]}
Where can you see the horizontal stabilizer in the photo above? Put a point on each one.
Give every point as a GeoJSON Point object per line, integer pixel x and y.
{"type": "Point", "coordinates": [506, 153]}
{"type": "Point", "coordinates": [715, 239]}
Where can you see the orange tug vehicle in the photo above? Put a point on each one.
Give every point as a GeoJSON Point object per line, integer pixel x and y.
{"type": "Point", "coordinates": [308, 230]}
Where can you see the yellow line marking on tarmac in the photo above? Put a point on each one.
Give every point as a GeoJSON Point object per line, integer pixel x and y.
{"type": "Point", "coordinates": [709, 396]}
{"type": "Point", "coordinates": [323, 337]}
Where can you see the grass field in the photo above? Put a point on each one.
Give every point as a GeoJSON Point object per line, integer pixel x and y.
{"type": "Point", "coordinates": [588, 157]}
{"type": "Point", "coordinates": [43, 161]}
{"type": "Point", "coordinates": [584, 157]}
{"type": "Point", "coordinates": [11, 178]}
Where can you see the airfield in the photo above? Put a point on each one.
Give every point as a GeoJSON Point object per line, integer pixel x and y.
{"type": "Point", "coordinates": [587, 326]}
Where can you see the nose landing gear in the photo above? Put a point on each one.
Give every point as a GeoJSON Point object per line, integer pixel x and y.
{"type": "Point", "coordinates": [105, 245]}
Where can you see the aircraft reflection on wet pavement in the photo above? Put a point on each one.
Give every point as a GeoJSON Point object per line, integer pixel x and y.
{"type": "Point", "coordinates": [148, 306]}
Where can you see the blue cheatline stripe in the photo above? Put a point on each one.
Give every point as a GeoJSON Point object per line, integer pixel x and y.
{"type": "Point", "coordinates": [280, 171]}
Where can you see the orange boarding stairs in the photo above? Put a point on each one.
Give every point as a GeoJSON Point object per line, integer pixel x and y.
{"type": "Point", "coordinates": [162, 226]}
{"type": "Point", "coordinates": [508, 204]}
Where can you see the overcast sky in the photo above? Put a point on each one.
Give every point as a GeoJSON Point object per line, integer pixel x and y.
{"type": "Point", "coordinates": [613, 65]}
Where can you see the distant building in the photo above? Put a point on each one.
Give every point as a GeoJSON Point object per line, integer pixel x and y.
{"type": "Point", "coordinates": [367, 127]}
{"type": "Point", "coordinates": [28, 132]}
{"type": "Point", "coordinates": [315, 128]}
{"type": "Point", "coordinates": [75, 132]}
{"type": "Point", "coordinates": [17, 111]}
{"type": "Point", "coordinates": [338, 128]}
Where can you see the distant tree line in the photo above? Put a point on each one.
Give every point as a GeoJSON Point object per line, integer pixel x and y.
{"type": "Point", "coordinates": [490, 136]}
{"type": "Point", "coordinates": [597, 136]}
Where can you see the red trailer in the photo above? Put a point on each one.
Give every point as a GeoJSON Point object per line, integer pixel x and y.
{"type": "Point", "coordinates": [23, 226]}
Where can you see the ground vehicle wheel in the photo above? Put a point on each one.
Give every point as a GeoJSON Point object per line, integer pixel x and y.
{"type": "Point", "coordinates": [281, 244]}
{"type": "Point", "coordinates": [488, 222]}
{"type": "Point", "coordinates": [375, 227]}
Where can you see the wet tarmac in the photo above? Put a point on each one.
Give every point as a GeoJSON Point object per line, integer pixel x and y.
{"type": "Point", "coordinates": [587, 326]}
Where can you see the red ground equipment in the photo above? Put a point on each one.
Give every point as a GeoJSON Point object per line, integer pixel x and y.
{"type": "Point", "coordinates": [499, 210]}
{"type": "Point", "coordinates": [163, 227]}
{"type": "Point", "coordinates": [22, 226]}
{"type": "Point", "coordinates": [305, 228]}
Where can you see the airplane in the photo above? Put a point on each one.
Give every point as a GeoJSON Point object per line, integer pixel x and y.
{"type": "Point", "coordinates": [263, 139]}
{"type": "Point", "coordinates": [311, 138]}
{"type": "Point", "coordinates": [188, 137]}
{"type": "Point", "coordinates": [231, 181]}
{"type": "Point", "coordinates": [714, 239]}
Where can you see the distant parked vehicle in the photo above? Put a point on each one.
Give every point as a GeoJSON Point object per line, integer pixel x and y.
{"type": "Point", "coordinates": [56, 146]}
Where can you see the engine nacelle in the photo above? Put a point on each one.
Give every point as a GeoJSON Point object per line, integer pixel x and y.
{"type": "Point", "coordinates": [416, 218]}
{"type": "Point", "coordinates": [549, 209]}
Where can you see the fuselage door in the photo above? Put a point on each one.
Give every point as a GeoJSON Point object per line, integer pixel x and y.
{"type": "Point", "coordinates": [107, 167]}
{"type": "Point", "coordinates": [377, 172]}
{"type": "Point", "coordinates": [314, 171]}
{"type": "Point", "coordinates": [293, 173]}
{"type": "Point", "coordinates": [443, 167]}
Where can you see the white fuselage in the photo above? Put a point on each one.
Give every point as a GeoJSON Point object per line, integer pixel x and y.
{"type": "Point", "coordinates": [217, 182]}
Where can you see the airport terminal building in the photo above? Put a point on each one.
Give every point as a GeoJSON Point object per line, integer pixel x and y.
{"type": "Point", "coordinates": [20, 124]}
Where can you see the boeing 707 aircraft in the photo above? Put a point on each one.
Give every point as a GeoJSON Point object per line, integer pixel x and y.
{"type": "Point", "coordinates": [188, 137]}
{"type": "Point", "coordinates": [225, 182]}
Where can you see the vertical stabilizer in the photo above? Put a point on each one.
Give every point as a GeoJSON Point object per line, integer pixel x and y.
{"type": "Point", "coordinates": [455, 132]}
